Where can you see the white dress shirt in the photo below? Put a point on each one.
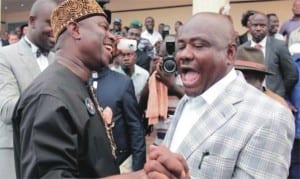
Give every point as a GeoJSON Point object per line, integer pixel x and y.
{"type": "Point", "coordinates": [195, 107]}
{"type": "Point", "coordinates": [42, 60]}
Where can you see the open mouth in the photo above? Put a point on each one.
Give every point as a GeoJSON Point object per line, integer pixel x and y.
{"type": "Point", "coordinates": [189, 76]}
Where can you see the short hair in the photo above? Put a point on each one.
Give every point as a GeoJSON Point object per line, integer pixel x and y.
{"type": "Point", "coordinates": [271, 14]}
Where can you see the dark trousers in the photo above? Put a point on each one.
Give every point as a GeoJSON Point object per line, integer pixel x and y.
{"type": "Point", "coordinates": [295, 160]}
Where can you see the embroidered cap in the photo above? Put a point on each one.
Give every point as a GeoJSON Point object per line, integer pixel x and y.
{"type": "Point", "coordinates": [73, 11]}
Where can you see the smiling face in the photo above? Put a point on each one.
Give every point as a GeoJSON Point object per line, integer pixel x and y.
{"type": "Point", "coordinates": [205, 52]}
{"type": "Point", "coordinates": [39, 22]}
{"type": "Point", "coordinates": [96, 41]}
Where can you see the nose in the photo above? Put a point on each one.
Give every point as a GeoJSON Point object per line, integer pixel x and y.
{"type": "Point", "coordinates": [184, 55]}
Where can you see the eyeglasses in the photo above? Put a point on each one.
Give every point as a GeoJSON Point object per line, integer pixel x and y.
{"type": "Point", "coordinates": [122, 55]}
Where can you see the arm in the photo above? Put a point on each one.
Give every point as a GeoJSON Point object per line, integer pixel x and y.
{"type": "Point", "coordinates": [49, 145]}
{"type": "Point", "coordinates": [267, 153]}
{"type": "Point", "coordinates": [9, 90]}
{"type": "Point", "coordinates": [134, 127]}
{"type": "Point", "coordinates": [288, 68]}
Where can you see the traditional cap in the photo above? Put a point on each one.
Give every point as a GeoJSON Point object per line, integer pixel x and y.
{"type": "Point", "coordinates": [73, 11]}
{"type": "Point", "coordinates": [250, 58]}
{"type": "Point", "coordinates": [117, 20]}
{"type": "Point", "coordinates": [127, 45]}
{"type": "Point", "coordinates": [136, 23]}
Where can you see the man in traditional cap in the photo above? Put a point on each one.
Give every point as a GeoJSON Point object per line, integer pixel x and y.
{"type": "Point", "coordinates": [20, 63]}
{"type": "Point", "coordinates": [60, 130]}
{"type": "Point", "coordinates": [250, 61]}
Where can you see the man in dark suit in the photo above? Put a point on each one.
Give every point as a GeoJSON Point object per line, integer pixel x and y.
{"type": "Point", "coordinates": [245, 23]}
{"type": "Point", "coordinates": [116, 91]}
{"type": "Point", "coordinates": [276, 54]}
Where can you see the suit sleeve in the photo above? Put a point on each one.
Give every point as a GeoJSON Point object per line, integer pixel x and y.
{"type": "Point", "coordinates": [288, 68]}
{"type": "Point", "coordinates": [267, 153]}
{"type": "Point", "coordinates": [48, 142]}
{"type": "Point", "coordinates": [135, 128]}
{"type": "Point", "coordinates": [9, 90]}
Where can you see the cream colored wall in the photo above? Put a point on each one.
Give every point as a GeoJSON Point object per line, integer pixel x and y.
{"type": "Point", "coordinates": [170, 15]}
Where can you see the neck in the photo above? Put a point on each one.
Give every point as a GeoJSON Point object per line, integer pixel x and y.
{"type": "Point", "coordinates": [75, 65]}
{"type": "Point", "coordinates": [150, 31]}
{"type": "Point", "coordinates": [129, 71]}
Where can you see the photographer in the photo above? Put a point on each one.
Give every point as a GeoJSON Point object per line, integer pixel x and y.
{"type": "Point", "coordinates": [172, 82]}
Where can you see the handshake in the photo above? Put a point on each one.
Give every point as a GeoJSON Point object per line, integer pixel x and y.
{"type": "Point", "coordinates": [163, 164]}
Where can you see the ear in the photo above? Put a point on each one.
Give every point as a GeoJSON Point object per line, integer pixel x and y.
{"type": "Point", "coordinates": [31, 21]}
{"type": "Point", "coordinates": [73, 30]}
{"type": "Point", "coordinates": [231, 52]}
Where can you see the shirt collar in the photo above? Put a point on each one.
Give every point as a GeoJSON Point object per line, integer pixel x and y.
{"type": "Point", "coordinates": [216, 89]}
{"type": "Point", "coordinates": [262, 42]}
{"type": "Point", "coordinates": [34, 48]}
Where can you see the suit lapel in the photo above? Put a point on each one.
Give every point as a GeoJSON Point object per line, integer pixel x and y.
{"type": "Point", "coordinates": [216, 115]}
{"type": "Point", "coordinates": [268, 51]}
{"type": "Point", "coordinates": [28, 58]}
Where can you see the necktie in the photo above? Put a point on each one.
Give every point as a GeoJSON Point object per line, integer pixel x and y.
{"type": "Point", "coordinates": [258, 46]}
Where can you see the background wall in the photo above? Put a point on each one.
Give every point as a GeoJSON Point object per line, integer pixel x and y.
{"type": "Point", "coordinates": [168, 11]}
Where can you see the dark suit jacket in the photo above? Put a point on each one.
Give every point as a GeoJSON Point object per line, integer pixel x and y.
{"type": "Point", "coordinates": [243, 38]}
{"type": "Point", "coordinates": [278, 60]}
{"type": "Point", "coordinates": [143, 60]}
{"type": "Point", "coordinates": [116, 91]}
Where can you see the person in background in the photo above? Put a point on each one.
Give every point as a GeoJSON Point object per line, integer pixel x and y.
{"type": "Point", "coordinates": [116, 91]}
{"type": "Point", "coordinates": [3, 41]}
{"type": "Point", "coordinates": [223, 126]}
{"type": "Point", "coordinates": [145, 50]}
{"type": "Point", "coordinates": [245, 37]}
{"type": "Point", "coordinates": [152, 35]}
{"type": "Point", "coordinates": [20, 63]}
{"type": "Point", "coordinates": [273, 25]}
{"type": "Point", "coordinates": [117, 27]}
{"type": "Point", "coordinates": [177, 25]}
{"type": "Point", "coordinates": [175, 91]}
{"type": "Point", "coordinates": [295, 100]}
{"type": "Point", "coordinates": [161, 28]}
{"type": "Point", "coordinates": [128, 67]}
{"type": "Point", "coordinates": [13, 37]}
{"type": "Point", "coordinates": [277, 57]}
{"type": "Point", "coordinates": [250, 61]}
{"type": "Point", "coordinates": [24, 30]}
{"type": "Point", "coordinates": [292, 24]}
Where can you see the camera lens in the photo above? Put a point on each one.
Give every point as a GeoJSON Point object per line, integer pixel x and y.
{"type": "Point", "coordinates": [169, 65]}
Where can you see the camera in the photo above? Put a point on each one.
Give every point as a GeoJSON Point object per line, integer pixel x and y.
{"type": "Point", "coordinates": [169, 63]}
{"type": "Point", "coordinates": [127, 45]}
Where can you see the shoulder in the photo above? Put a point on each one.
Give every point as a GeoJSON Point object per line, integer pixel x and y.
{"type": "Point", "coordinates": [117, 76]}
{"type": "Point", "coordinates": [141, 71]}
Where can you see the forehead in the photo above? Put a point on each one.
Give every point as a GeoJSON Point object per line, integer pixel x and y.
{"type": "Point", "coordinates": [134, 30]}
{"type": "Point", "coordinates": [204, 28]}
{"type": "Point", "coordinates": [149, 19]}
{"type": "Point", "coordinates": [259, 18]}
{"type": "Point", "coordinates": [95, 20]}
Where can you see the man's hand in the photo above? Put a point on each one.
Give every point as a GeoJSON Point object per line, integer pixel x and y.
{"type": "Point", "coordinates": [163, 163]}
